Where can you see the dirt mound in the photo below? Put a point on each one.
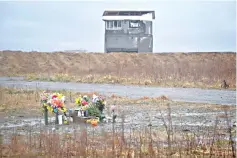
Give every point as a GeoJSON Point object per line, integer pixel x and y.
{"type": "Point", "coordinates": [205, 68]}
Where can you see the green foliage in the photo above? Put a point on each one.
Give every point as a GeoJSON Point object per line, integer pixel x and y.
{"type": "Point", "coordinates": [100, 104]}
{"type": "Point", "coordinates": [94, 111]}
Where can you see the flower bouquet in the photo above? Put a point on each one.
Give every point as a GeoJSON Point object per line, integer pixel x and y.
{"type": "Point", "coordinates": [82, 105]}
{"type": "Point", "coordinates": [90, 107]}
{"type": "Point", "coordinates": [53, 102]}
{"type": "Point", "coordinates": [100, 103]}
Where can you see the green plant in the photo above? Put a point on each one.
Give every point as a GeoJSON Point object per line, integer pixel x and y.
{"type": "Point", "coordinates": [94, 111]}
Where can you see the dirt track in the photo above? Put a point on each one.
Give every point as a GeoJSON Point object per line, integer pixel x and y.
{"type": "Point", "coordinates": [197, 95]}
{"type": "Point", "coordinates": [206, 68]}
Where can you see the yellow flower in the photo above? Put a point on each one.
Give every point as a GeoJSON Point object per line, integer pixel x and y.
{"type": "Point", "coordinates": [65, 121]}
{"type": "Point", "coordinates": [60, 95]}
{"type": "Point", "coordinates": [63, 109]}
{"type": "Point", "coordinates": [88, 121]}
{"type": "Point", "coordinates": [78, 100]}
{"type": "Point", "coordinates": [97, 119]}
{"type": "Point", "coordinates": [50, 108]}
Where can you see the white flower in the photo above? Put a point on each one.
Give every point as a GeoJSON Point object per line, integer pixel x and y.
{"type": "Point", "coordinates": [63, 99]}
{"type": "Point", "coordinates": [95, 98]}
{"type": "Point", "coordinates": [49, 101]}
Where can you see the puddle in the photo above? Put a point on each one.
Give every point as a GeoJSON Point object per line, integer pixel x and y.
{"type": "Point", "coordinates": [136, 117]}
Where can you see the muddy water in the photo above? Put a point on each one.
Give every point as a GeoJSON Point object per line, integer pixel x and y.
{"type": "Point", "coordinates": [211, 96]}
{"type": "Point", "coordinates": [193, 119]}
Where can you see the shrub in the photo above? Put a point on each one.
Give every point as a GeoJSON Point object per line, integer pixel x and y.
{"type": "Point", "coordinates": [94, 111]}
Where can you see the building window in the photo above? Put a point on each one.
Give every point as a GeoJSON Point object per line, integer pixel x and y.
{"type": "Point", "coordinates": [119, 24]}
{"type": "Point", "coordinates": [107, 24]}
{"type": "Point", "coordinates": [113, 25]}
{"type": "Point", "coordinates": [134, 24]}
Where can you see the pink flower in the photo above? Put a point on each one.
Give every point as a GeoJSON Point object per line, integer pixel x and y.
{"type": "Point", "coordinates": [83, 102]}
{"type": "Point", "coordinates": [112, 107]}
{"type": "Point", "coordinates": [54, 96]}
{"type": "Point", "coordinates": [43, 98]}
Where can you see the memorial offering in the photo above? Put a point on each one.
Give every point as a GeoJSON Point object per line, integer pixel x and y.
{"type": "Point", "coordinates": [55, 103]}
{"type": "Point", "coordinates": [88, 109]}
{"type": "Point", "coordinates": [93, 107]}
{"type": "Point", "coordinates": [82, 103]}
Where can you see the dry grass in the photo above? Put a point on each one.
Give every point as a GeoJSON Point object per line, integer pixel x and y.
{"type": "Point", "coordinates": [19, 100]}
{"type": "Point", "coordinates": [148, 142]}
{"type": "Point", "coordinates": [27, 101]}
{"type": "Point", "coordinates": [205, 70]}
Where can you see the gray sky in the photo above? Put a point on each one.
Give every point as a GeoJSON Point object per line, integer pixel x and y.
{"type": "Point", "coordinates": [180, 26]}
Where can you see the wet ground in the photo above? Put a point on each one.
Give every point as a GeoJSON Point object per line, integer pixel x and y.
{"type": "Point", "coordinates": [197, 95]}
{"type": "Point", "coordinates": [137, 116]}
{"type": "Point", "coordinates": [193, 119]}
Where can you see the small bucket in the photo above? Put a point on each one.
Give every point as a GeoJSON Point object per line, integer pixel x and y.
{"type": "Point", "coordinates": [60, 119]}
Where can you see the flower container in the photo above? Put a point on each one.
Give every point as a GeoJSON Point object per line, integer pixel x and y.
{"type": "Point", "coordinates": [86, 113]}
{"type": "Point", "coordinates": [60, 119]}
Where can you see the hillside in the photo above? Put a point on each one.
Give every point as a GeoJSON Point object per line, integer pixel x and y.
{"type": "Point", "coordinates": [166, 69]}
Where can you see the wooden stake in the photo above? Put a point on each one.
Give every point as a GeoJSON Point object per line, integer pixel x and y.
{"type": "Point", "coordinates": [46, 116]}
{"type": "Point", "coordinates": [56, 119]}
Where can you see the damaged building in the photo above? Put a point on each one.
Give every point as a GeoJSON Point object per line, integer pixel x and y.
{"type": "Point", "coordinates": [128, 31]}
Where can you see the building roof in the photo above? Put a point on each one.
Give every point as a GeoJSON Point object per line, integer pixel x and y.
{"type": "Point", "coordinates": [128, 15]}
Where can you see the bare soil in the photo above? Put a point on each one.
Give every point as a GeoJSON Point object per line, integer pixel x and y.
{"type": "Point", "coordinates": [165, 69]}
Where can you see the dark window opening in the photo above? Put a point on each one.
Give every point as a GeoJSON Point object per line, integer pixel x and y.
{"type": "Point", "coordinates": [134, 24]}
{"type": "Point", "coordinates": [113, 25]}
{"type": "Point", "coordinates": [119, 24]}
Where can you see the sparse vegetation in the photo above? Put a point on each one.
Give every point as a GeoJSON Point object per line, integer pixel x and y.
{"type": "Point", "coordinates": [166, 141]}
{"type": "Point", "coordinates": [205, 70]}
{"type": "Point", "coordinates": [146, 143]}
{"type": "Point", "coordinates": [12, 99]}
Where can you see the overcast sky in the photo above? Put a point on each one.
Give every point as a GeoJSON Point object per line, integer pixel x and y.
{"type": "Point", "coordinates": [180, 26]}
